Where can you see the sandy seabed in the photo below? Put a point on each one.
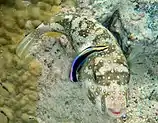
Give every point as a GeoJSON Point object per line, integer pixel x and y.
{"type": "Point", "coordinates": [62, 101]}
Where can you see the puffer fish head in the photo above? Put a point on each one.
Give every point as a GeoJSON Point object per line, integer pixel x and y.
{"type": "Point", "coordinates": [116, 101]}
{"type": "Point", "coordinates": [112, 76]}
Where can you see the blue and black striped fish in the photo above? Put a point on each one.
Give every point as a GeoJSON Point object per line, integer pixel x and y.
{"type": "Point", "coordinates": [81, 58]}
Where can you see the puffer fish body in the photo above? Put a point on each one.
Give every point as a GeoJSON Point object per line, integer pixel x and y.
{"type": "Point", "coordinates": [105, 74]}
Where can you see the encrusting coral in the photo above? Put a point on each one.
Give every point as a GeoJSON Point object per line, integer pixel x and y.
{"type": "Point", "coordinates": [18, 76]}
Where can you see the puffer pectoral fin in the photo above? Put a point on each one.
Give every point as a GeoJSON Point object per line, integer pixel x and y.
{"type": "Point", "coordinates": [81, 58]}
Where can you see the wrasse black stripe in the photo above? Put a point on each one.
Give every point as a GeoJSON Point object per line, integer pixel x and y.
{"type": "Point", "coordinates": [81, 58]}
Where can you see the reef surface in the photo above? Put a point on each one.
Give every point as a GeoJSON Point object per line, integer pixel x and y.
{"type": "Point", "coordinates": [62, 101]}
{"type": "Point", "coordinates": [59, 100]}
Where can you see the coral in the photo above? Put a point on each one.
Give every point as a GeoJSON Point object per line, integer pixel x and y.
{"type": "Point", "coordinates": [34, 67]}
{"type": "Point", "coordinates": [18, 76]}
{"type": "Point", "coordinates": [3, 118]}
{"type": "Point", "coordinates": [18, 86]}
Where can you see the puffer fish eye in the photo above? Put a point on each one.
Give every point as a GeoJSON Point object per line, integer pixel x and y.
{"type": "Point", "coordinates": [124, 117]}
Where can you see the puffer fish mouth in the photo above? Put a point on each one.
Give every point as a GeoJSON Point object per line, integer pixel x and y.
{"type": "Point", "coordinates": [114, 112]}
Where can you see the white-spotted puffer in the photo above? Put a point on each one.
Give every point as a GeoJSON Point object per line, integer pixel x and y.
{"type": "Point", "coordinates": [105, 72]}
